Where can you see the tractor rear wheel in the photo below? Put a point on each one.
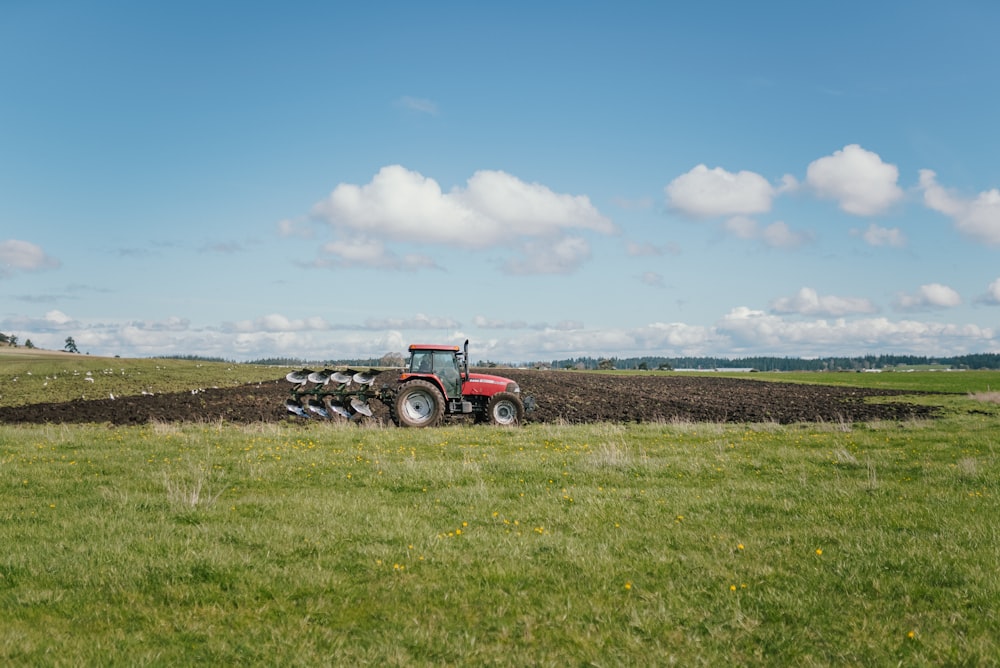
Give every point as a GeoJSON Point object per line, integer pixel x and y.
{"type": "Point", "coordinates": [505, 409]}
{"type": "Point", "coordinates": [419, 404]}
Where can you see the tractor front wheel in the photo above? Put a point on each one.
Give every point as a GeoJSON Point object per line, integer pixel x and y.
{"type": "Point", "coordinates": [419, 404]}
{"type": "Point", "coordinates": [505, 409]}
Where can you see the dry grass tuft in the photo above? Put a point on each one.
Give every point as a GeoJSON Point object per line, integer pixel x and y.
{"type": "Point", "coordinates": [987, 397]}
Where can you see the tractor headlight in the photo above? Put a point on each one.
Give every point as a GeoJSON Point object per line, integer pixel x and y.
{"type": "Point", "coordinates": [513, 387]}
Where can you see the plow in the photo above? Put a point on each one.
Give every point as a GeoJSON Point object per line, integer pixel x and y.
{"type": "Point", "coordinates": [435, 383]}
{"type": "Point", "coordinates": [330, 393]}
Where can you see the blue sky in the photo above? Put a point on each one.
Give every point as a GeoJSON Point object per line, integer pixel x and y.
{"type": "Point", "coordinates": [330, 180]}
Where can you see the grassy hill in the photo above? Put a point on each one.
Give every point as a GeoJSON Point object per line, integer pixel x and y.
{"type": "Point", "coordinates": [29, 376]}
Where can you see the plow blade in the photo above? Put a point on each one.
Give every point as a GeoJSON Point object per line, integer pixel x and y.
{"type": "Point", "coordinates": [361, 407]}
{"type": "Point", "coordinates": [295, 408]}
{"type": "Point", "coordinates": [318, 409]}
{"type": "Point", "coordinates": [340, 410]}
{"type": "Point", "coordinates": [340, 378]}
{"type": "Point", "coordinates": [365, 377]}
{"type": "Point", "coordinates": [298, 377]}
{"type": "Point", "coordinates": [319, 377]}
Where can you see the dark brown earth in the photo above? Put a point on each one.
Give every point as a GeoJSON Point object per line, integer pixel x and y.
{"type": "Point", "coordinates": [561, 396]}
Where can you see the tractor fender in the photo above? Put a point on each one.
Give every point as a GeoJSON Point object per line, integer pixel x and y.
{"type": "Point", "coordinates": [430, 377]}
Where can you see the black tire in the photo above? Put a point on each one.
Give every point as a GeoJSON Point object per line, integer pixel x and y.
{"type": "Point", "coordinates": [505, 409]}
{"type": "Point", "coordinates": [419, 404]}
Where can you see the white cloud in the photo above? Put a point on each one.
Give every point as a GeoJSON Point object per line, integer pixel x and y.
{"type": "Point", "coordinates": [482, 322]}
{"type": "Point", "coordinates": [775, 235]}
{"type": "Point", "coordinates": [876, 235]}
{"type": "Point", "coordinates": [275, 322]}
{"type": "Point", "coordinates": [57, 318]}
{"type": "Point", "coordinates": [743, 331]}
{"type": "Point", "coordinates": [641, 204]}
{"type": "Point", "coordinates": [419, 321]}
{"type": "Point", "coordinates": [706, 193]}
{"type": "Point", "coordinates": [494, 210]}
{"type": "Point", "coordinates": [779, 235]}
{"type": "Point", "coordinates": [753, 331]}
{"type": "Point", "coordinates": [992, 295]}
{"type": "Point", "coordinates": [561, 255]}
{"type": "Point", "coordinates": [978, 218]}
{"type": "Point", "coordinates": [656, 338]}
{"type": "Point", "coordinates": [861, 183]}
{"type": "Point", "coordinates": [16, 255]}
{"type": "Point", "coordinates": [364, 252]}
{"type": "Point", "coordinates": [171, 324]}
{"type": "Point", "coordinates": [295, 228]}
{"type": "Point", "coordinates": [788, 184]}
{"type": "Point", "coordinates": [930, 296]}
{"type": "Point", "coordinates": [808, 302]}
{"type": "Point", "coordinates": [52, 321]}
{"type": "Point", "coordinates": [742, 227]}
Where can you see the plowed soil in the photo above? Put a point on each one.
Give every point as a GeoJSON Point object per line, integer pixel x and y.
{"type": "Point", "coordinates": [561, 396]}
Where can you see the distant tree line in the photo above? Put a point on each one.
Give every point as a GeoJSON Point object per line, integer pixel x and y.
{"type": "Point", "coordinates": [387, 360]}
{"type": "Point", "coordinates": [758, 363]}
{"type": "Point", "coordinates": [194, 358]}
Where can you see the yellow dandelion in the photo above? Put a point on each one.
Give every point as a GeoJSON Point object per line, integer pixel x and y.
{"type": "Point", "coordinates": [911, 635]}
{"type": "Point", "coordinates": [732, 587]}
{"type": "Point", "coordinates": [740, 546]}
{"type": "Point", "coordinates": [819, 552]}
{"type": "Point", "coordinates": [628, 585]}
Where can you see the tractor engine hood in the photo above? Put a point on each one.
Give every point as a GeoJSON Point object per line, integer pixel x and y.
{"type": "Point", "coordinates": [484, 383]}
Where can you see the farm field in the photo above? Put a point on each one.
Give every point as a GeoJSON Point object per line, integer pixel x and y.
{"type": "Point", "coordinates": [562, 397]}
{"type": "Point", "coordinates": [859, 539]}
{"type": "Point", "coordinates": [46, 387]}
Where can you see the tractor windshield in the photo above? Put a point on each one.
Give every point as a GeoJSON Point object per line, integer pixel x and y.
{"type": "Point", "coordinates": [446, 368]}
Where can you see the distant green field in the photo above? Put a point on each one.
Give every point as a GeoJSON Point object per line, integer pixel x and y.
{"type": "Point", "coordinates": [961, 382]}
{"type": "Point", "coordinates": [922, 381]}
{"type": "Point", "coordinates": [33, 376]}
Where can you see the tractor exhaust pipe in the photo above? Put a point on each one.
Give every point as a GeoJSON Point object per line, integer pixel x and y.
{"type": "Point", "coordinates": [465, 359]}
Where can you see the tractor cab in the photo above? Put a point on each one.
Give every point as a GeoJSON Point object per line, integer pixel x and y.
{"type": "Point", "coordinates": [438, 375]}
{"type": "Point", "coordinates": [440, 361]}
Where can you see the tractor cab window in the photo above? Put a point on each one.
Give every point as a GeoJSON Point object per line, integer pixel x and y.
{"type": "Point", "coordinates": [421, 363]}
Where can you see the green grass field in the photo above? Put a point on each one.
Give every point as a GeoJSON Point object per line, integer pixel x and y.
{"type": "Point", "coordinates": [36, 376]}
{"type": "Point", "coordinates": [688, 544]}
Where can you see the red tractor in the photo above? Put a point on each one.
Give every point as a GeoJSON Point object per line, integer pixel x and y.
{"type": "Point", "coordinates": [436, 383]}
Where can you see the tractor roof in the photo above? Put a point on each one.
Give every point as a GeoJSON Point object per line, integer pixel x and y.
{"type": "Point", "coordinates": [432, 346]}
